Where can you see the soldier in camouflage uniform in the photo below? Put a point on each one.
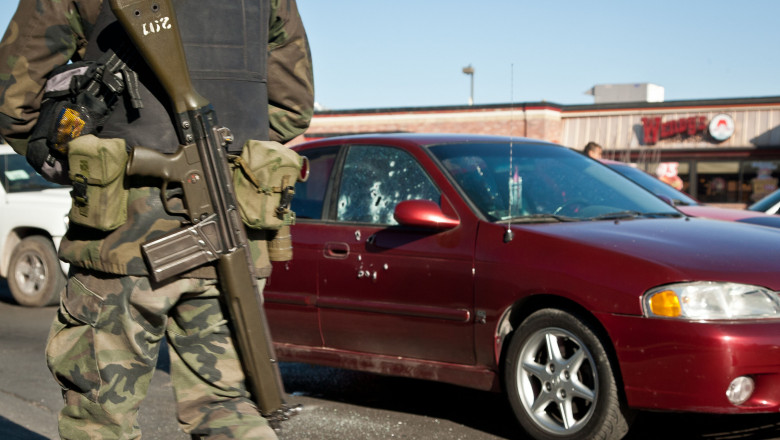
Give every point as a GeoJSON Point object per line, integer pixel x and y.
{"type": "Point", "coordinates": [104, 342]}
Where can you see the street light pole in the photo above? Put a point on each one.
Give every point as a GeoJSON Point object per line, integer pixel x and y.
{"type": "Point", "coordinates": [468, 70]}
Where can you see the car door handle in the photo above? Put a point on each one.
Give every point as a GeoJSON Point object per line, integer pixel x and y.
{"type": "Point", "coordinates": [336, 250]}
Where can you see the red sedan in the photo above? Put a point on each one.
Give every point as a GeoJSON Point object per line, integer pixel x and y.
{"type": "Point", "coordinates": [524, 267]}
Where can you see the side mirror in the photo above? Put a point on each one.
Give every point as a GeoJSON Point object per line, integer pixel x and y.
{"type": "Point", "coordinates": [424, 214]}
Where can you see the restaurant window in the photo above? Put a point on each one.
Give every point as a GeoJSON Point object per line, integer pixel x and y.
{"type": "Point", "coordinates": [676, 174]}
{"type": "Point", "coordinates": [736, 184]}
{"type": "Point", "coordinates": [759, 178]}
{"type": "Point", "coordinates": [718, 182]}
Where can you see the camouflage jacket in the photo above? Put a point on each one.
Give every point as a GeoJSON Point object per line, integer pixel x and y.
{"type": "Point", "coordinates": [46, 34]}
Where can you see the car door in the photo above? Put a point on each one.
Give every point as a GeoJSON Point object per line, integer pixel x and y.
{"type": "Point", "coordinates": [388, 289]}
{"type": "Point", "coordinates": [291, 291]}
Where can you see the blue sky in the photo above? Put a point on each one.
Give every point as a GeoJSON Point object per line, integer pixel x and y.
{"type": "Point", "coordinates": [401, 53]}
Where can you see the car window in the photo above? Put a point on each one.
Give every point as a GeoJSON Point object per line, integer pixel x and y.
{"type": "Point", "coordinates": [654, 185]}
{"type": "Point", "coordinates": [377, 178]}
{"type": "Point", "coordinates": [537, 180]}
{"type": "Point", "coordinates": [17, 175]}
{"type": "Point", "coordinates": [768, 204]}
{"type": "Point", "coordinates": [310, 195]}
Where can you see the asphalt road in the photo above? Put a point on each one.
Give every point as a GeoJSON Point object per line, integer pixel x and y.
{"type": "Point", "coordinates": [337, 404]}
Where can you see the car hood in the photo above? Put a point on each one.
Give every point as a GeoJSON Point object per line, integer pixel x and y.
{"type": "Point", "coordinates": [668, 250]}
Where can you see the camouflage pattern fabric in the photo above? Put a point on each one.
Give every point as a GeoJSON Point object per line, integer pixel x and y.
{"type": "Point", "coordinates": [44, 34]}
{"type": "Point", "coordinates": [290, 77]}
{"type": "Point", "coordinates": [104, 343]}
{"type": "Point", "coordinates": [103, 349]}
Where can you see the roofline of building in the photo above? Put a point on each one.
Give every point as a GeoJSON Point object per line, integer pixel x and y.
{"type": "Point", "coordinates": [720, 102]}
{"type": "Point", "coordinates": [439, 109]}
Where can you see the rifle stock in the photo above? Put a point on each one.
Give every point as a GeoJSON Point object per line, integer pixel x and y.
{"type": "Point", "coordinates": [153, 28]}
{"type": "Point", "coordinates": [201, 167]}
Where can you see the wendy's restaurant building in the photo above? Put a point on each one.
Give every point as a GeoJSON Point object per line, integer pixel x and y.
{"type": "Point", "coordinates": [720, 151]}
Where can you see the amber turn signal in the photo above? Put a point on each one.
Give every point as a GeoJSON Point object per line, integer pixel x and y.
{"type": "Point", "coordinates": [665, 303]}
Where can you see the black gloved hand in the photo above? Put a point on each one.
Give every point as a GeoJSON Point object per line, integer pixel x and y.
{"type": "Point", "coordinates": [52, 167]}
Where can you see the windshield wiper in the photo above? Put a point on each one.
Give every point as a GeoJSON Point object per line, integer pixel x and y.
{"type": "Point", "coordinates": [541, 218]}
{"type": "Point", "coordinates": [663, 214]}
{"type": "Point", "coordinates": [617, 215]}
{"type": "Point", "coordinates": [621, 215]}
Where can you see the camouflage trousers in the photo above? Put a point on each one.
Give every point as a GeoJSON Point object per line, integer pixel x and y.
{"type": "Point", "coordinates": [103, 349]}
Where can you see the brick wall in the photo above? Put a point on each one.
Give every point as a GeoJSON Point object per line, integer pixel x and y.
{"type": "Point", "coordinates": [539, 122]}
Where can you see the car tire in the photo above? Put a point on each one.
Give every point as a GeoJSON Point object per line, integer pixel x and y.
{"type": "Point", "coordinates": [35, 277]}
{"type": "Point", "coordinates": [560, 380]}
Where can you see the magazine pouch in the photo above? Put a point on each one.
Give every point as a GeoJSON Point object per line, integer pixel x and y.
{"type": "Point", "coordinates": [264, 177]}
{"type": "Point", "coordinates": [96, 169]}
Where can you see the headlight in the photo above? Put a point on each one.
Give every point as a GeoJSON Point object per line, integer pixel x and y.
{"type": "Point", "coordinates": [709, 300]}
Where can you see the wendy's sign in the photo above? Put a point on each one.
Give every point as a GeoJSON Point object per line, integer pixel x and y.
{"type": "Point", "coordinates": [654, 129]}
{"type": "Point", "coordinates": [721, 127]}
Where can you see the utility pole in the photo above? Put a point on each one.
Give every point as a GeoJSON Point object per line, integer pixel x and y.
{"type": "Point", "coordinates": [468, 70]}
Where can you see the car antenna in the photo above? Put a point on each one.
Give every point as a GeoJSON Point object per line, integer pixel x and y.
{"type": "Point", "coordinates": [509, 235]}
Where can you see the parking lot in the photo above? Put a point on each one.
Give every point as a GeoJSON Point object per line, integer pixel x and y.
{"type": "Point", "coordinates": [338, 404]}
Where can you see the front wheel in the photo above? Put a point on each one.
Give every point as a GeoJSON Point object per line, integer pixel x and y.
{"type": "Point", "coordinates": [35, 278]}
{"type": "Point", "coordinates": [560, 381]}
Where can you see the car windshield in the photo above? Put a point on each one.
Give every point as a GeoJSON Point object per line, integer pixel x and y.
{"type": "Point", "coordinates": [766, 203]}
{"type": "Point", "coordinates": [654, 185]}
{"type": "Point", "coordinates": [542, 182]}
{"type": "Point", "coordinates": [17, 175]}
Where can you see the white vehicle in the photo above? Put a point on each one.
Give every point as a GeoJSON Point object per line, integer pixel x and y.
{"type": "Point", "coordinates": [33, 219]}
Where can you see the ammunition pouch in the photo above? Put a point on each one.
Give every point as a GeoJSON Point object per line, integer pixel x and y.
{"type": "Point", "coordinates": [77, 100]}
{"type": "Point", "coordinates": [96, 169]}
{"type": "Point", "coordinates": [264, 177]}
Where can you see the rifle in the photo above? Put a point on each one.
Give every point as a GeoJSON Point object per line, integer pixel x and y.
{"type": "Point", "coordinates": [213, 229]}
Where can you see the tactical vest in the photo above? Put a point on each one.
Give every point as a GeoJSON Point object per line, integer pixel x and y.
{"type": "Point", "coordinates": [225, 43]}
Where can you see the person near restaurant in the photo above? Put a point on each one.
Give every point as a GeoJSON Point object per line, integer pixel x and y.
{"type": "Point", "coordinates": [593, 150]}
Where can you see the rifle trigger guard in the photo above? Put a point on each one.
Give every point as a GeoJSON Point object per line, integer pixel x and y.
{"type": "Point", "coordinates": [164, 196]}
